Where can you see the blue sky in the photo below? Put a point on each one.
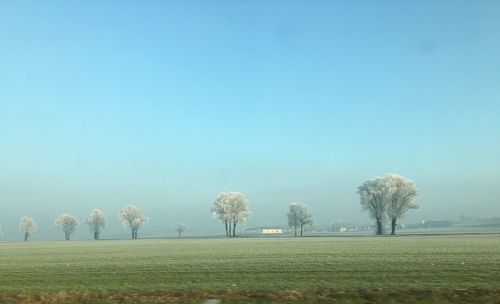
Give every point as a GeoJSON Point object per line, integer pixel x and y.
{"type": "Point", "coordinates": [165, 103]}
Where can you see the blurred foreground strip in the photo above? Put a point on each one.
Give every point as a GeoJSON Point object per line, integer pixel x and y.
{"type": "Point", "coordinates": [231, 296]}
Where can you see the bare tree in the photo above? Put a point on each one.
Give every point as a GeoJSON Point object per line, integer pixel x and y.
{"type": "Point", "coordinates": [96, 222]}
{"type": "Point", "coordinates": [305, 217]}
{"type": "Point", "coordinates": [67, 223]}
{"type": "Point", "coordinates": [180, 228]}
{"type": "Point", "coordinates": [373, 196]}
{"type": "Point", "coordinates": [231, 208]}
{"type": "Point", "coordinates": [298, 217]}
{"type": "Point", "coordinates": [293, 216]}
{"type": "Point", "coordinates": [27, 226]}
{"type": "Point", "coordinates": [132, 218]}
{"type": "Point", "coordinates": [400, 195]}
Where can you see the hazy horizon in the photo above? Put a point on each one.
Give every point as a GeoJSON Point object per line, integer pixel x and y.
{"type": "Point", "coordinates": [163, 105]}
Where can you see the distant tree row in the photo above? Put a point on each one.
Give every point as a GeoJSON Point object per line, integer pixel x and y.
{"type": "Point", "coordinates": [389, 197]}
{"type": "Point", "coordinates": [130, 216]}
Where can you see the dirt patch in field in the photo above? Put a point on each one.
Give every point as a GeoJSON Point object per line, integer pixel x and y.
{"type": "Point", "coordinates": [292, 296]}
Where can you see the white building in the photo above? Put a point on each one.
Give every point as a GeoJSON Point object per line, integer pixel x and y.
{"type": "Point", "coordinates": [272, 231]}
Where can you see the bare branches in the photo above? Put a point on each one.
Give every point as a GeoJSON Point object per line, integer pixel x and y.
{"type": "Point", "coordinates": [180, 228]}
{"type": "Point", "coordinates": [298, 216]}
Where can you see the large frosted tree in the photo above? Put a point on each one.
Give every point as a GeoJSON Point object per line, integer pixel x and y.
{"type": "Point", "coordinates": [220, 211]}
{"type": "Point", "coordinates": [132, 218]}
{"type": "Point", "coordinates": [96, 221]}
{"type": "Point", "coordinates": [373, 195]}
{"type": "Point", "coordinates": [401, 193]}
{"type": "Point", "coordinates": [27, 225]}
{"type": "Point", "coordinates": [298, 216]}
{"type": "Point", "coordinates": [67, 223]}
{"type": "Point", "coordinates": [231, 208]}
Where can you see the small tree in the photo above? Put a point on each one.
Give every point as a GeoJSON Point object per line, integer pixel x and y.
{"type": "Point", "coordinates": [305, 218]}
{"type": "Point", "coordinates": [132, 218]}
{"type": "Point", "coordinates": [67, 223]}
{"type": "Point", "coordinates": [96, 221]}
{"type": "Point", "coordinates": [293, 216]}
{"type": "Point", "coordinates": [373, 196]}
{"type": "Point", "coordinates": [298, 217]}
{"type": "Point", "coordinates": [27, 226]}
{"type": "Point", "coordinates": [180, 228]}
{"type": "Point", "coordinates": [400, 195]}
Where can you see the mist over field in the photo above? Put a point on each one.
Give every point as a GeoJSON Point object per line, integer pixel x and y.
{"type": "Point", "coordinates": [165, 105]}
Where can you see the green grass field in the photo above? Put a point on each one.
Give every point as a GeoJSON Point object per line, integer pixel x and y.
{"type": "Point", "coordinates": [287, 269]}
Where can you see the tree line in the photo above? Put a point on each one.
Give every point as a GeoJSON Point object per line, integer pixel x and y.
{"type": "Point", "coordinates": [131, 217]}
{"type": "Point", "coordinates": [388, 197]}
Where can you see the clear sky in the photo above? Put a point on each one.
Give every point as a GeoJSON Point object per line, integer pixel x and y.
{"type": "Point", "coordinates": [165, 103]}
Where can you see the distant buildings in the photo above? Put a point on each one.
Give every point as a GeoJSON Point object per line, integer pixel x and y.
{"type": "Point", "coordinates": [272, 231]}
{"type": "Point", "coordinates": [266, 230]}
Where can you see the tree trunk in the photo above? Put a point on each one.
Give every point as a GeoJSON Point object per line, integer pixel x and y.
{"type": "Point", "coordinates": [234, 228]}
{"type": "Point", "coordinates": [301, 229]}
{"type": "Point", "coordinates": [227, 232]}
{"type": "Point", "coordinates": [26, 235]}
{"type": "Point", "coordinates": [179, 234]}
{"type": "Point", "coordinates": [379, 227]}
{"type": "Point", "coordinates": [96, 235]}
{"type": "Point", "coordinates": [133, 234]}
{"type": "Point", "coordinates": [230, 229]}
{"type": "Point", "coordinates": [66, 234]}
{"type": "Point", "coordinates": [295, 230]}
{"type": "Point", "coordinates": [393, 226]}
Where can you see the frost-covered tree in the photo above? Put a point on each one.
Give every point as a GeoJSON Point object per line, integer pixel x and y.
{"type": "Point", "coordinates": [373, 195]}
{"type": "Point", "coordinates": [401, 193]}
{"type": "Point", "coordinates": [298, 216]}
{"type": "Point", "coordinates": [231, 208]}
{"type": "Point", "coordinates": [27, 226]}
{"type": "Point", "coordinates": [96, 221]}
{"type": "Point", "coordinates": [220, 210]}
{"type": "Point", "coordinates": [180, 228]}
{"type": "Point", "coordinates": [132, 218]}
{"type": "Point", "coordinates": [238, 209]}
{"type": "Point", "coordinates": [67, 223]}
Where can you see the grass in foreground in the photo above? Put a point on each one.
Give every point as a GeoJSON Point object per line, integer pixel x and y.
{"type": "Point", "coordinates": [376, 269]}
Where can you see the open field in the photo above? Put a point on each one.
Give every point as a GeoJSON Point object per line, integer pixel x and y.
{"type": "Point", "coordinates": [409, 268]}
